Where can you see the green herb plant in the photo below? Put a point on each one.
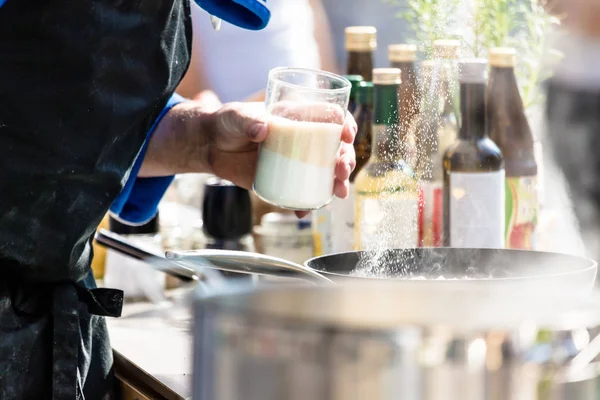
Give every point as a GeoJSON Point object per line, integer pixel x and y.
{"type": "Point", "coordinates": [521, 24]}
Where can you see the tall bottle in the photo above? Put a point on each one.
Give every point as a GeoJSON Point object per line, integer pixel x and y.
{"type": "Point", "coordinates": [341, 211]}
{"type": "Point", "coordinates": [446, 53]}
{"type": "Point", "coordinates": [403, 56]}
{"type": "Point", "coordinates": [509, 129]}
{"type": "Point", "coordinates": [473, 171]}
{"type": "Point", "coordinates": [429, 159]}
{"type": "Point", "coordinates": [386, 188]}
{"type": "Point", "coordinates": [361, 42]}
{"type": "Point", "coordinates": [364, 120]}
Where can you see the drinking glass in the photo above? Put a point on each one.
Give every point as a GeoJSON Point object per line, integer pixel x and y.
{"type": "Point", "coordinates": [306, 112]}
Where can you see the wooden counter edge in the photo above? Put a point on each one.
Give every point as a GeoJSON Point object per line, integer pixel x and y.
{"type": "Point", "coordinates": [136, 384]}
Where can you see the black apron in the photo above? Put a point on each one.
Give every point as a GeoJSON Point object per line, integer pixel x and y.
{"type": "Point", "coordinates": [81, 83]}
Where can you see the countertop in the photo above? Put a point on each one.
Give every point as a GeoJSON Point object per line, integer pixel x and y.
{"type": "Point", "coordinates": [154, 343]}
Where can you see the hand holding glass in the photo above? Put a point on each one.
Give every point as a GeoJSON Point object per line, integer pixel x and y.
{"type": "Point", "coordinates": [306, 113]}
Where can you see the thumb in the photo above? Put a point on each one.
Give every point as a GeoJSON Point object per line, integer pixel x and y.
{"type": "Point", "coordinates": [243, 120]}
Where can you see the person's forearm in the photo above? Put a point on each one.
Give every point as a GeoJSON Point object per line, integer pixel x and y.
{"type": "Point", "coordinates": [180, 142]}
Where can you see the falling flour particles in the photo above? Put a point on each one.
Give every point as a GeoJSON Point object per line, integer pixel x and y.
{"type": "Point", "coordinates": [296, 163]}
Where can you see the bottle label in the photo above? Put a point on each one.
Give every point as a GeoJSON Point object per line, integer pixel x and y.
{"type": "Point", "coordinates": [521, 212]}
{"type": "Point", "coordinates": [321, 230]}
{"type": "Point", "coordinates": [342, 220]}
{"type": "Point", "coordinates": [431, 197]}
{"type": "Point", "coordinates": [477, 209]}
{"type": "Point", "coordinates": [388, 222]}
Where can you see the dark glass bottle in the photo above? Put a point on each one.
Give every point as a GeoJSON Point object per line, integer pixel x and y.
{"type": "Point", "coordinates": [509, 129]}
{"type": "Point", "coordinates": [403, 56]}
{"type": "Point", "coordinates": [364, 120]}
{"type": "Point", "coordinates": [446, 53]}
{"type": "Point", "coordinates": [473, 171]}
{"type": "Point", "coordinates": [361, 42]}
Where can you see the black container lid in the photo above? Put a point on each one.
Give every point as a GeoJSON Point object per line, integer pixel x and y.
{"type": "Point", "coordinates": [226, 210]}
{"type": "Point", "coordinates": [149, 228]}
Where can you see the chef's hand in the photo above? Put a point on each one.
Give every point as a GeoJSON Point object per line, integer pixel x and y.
{"type": "Point", "coordinates": [238, 128]}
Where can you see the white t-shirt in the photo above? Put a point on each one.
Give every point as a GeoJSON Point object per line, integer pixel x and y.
{"type": "Point", "coordinates": [237, 61]}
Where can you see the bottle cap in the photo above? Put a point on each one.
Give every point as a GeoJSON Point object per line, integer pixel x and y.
{"type": "Point", "coordinates": [365, 93]}
{"type": "Point", "coordinates": [446, 49]}
{"type": "Point", "coordinates": [503, 57]}
{"type": "Point", "coordinates": [149, 228]}
{"type": "Point", "coordinates": [402, 52]}
{"type": "Point", "coordinates": [473, 70]}
{"type": "Point", "coordinates": [386, 76]}
{"type": "Point", "coordinates": [361, 38]}
{"type": "Point", "coordinates": [354, 79]}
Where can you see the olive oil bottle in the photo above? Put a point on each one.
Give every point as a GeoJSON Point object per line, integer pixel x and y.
{"type": "Point", "coordinates": [386, 188]}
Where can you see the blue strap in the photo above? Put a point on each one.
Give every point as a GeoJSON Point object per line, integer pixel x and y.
{"type": "Point", "coordinates": [248, 14]}
{"type": "Point", "coordinates": [2, 2]}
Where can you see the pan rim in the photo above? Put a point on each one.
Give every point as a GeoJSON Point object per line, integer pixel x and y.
{"type": "Point", "coordinates": [593, 265]}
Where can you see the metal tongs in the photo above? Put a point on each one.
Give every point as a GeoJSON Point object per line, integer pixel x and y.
{"type": "Point", "coordinates": [216, 22]}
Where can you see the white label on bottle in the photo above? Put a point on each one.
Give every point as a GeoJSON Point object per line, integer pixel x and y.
{"type": "Point", "coordinates": [389, 223]}
{"type": "Point", "coordinates": [342, 220]}
{"type": "Point", "coordinates": [477, 209]}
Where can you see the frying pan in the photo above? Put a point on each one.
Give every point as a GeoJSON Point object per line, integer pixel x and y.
{"type": "Point", "coordinates": [495, 267]}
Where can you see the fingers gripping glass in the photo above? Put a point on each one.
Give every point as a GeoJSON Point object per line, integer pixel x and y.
{"type": "Point", "coordinates": [306, 112]}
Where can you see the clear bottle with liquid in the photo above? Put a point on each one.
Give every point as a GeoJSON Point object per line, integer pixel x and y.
{"type": "Point", "coordinates": [386, 188]}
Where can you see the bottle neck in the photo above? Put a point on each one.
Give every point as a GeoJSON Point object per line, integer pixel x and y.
{"type": "Point", "coordinates": [360, 63]}
{"type": "Point", "coordinates": [386, 135]}
{"type": "Point", "coordinates": [409, 96]}
{"type": "Point", "coordinates": [507, 124]}
{"type": "Point", "coordinates": [472, 110]}
{"type": "Point", "coordinates": [503, 84]}
{"type": "Point", "coordinates": [446, 95]}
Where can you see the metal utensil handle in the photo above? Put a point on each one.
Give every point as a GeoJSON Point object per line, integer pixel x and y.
{"type": "Point", "coordinates": [116, 242]}
{"type": "Point", "coordinates": [247, 263]}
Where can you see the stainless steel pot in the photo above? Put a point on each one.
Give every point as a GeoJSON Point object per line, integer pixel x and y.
{"type": "Point", "coordinates": [395, 340]}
